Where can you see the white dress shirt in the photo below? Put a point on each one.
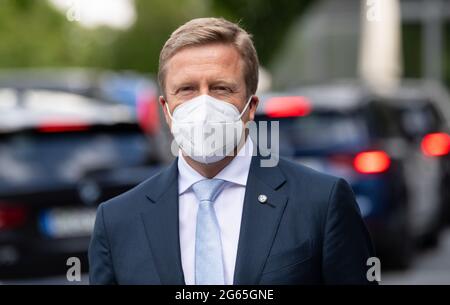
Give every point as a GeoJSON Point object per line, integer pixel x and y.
{"type": "Point", "coordinates": [228, 206]}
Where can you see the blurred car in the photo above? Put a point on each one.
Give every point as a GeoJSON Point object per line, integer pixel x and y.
{"type": "Point", "coordinates": [423, 121]}
{"type": "Point", "coordinates": [346, 131]}
{"type": "Point", "coordinates": [60, 155]}
{"type": "Point", "coordinates": [136, 91]}
{"type": "Point", "coordinates": [119, 86]}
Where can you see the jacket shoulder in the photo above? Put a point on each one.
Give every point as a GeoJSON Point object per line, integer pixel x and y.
{"type": "Point", "coordinates": [138, 195]}
{"type": "Point", "coordinates": [309, 188]}
{"type": "Point", "coordinates": [297, 172]}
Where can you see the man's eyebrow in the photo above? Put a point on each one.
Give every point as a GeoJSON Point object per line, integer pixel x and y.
{"type": "Point", "coordinates": [182, 84]}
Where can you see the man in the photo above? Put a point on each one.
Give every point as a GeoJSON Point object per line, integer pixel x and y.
{"type": "Point", "coordinates": [213, 218]}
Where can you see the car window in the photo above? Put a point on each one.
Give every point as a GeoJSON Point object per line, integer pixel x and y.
{"type": "Point", "coordinates": [32, 159]}
{"type": "Point", "coordinates": [382, 120]}
{"type": "Point", "coordinates": [419, 119]}
{"type": "Point", "coordinates": [321, 133]}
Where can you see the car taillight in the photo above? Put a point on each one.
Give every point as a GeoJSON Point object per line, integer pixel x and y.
{"type": "Point", "coordinates": [287, 106]}
{"type": "Point", "coordinates": [436, 144]}
{"type": "Point", "coordinates": [61, 126]}
{"type": "Point", "coordinates": [12, 217]}
{"type": "Point", "coordinates": [341, 162]}
{"type": "Point", "coordinates": [147, 112]}
{"type": "Point", "coordinates": [371, 162]}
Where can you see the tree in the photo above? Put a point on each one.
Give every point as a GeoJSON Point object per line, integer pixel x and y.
{"type": "Point", "coordinates": [33, 33]}
{"type": "Point", "coordinates": [139, 47]}
{"type": "Point", "coordinates": [267, 20]}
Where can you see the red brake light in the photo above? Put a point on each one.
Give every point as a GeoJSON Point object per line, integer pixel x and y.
{"type": "Point", "coordinates": [11, 217]}
{"type": "Point", "coordinates": [287, 106]}
{"type": "Point", "coordinates": [372, 162]}
{"type": "Point", "coordinates": [60, 126]}
{"type": "Point", "coordinates": [436, 144]}
{"type": "Point", "coordinates": [147, 112]}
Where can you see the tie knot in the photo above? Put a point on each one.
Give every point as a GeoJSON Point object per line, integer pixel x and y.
{"type": "Point", "coordinates": [208, 189]}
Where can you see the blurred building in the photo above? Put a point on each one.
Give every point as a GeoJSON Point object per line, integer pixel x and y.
{"type": "Point", "coordinates": [325, 44]}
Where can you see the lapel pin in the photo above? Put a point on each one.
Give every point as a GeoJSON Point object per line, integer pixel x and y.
{"type": "Point", "coordinates": [262, 198]}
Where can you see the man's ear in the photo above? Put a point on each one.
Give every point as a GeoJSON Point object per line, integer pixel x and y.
{"type": "Point", "coordinates": [252, 107]}
{"type": "Point", "coordinates": [163, 103]}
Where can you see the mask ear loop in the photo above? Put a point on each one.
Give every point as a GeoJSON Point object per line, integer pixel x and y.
{"type": "Point", "coordinates": [168, 110]}
{"type": "Point", "coordinates": [245, 108]}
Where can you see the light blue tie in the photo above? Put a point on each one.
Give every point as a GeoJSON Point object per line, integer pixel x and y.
{"type": "Point", "coordinates": [208, 246]}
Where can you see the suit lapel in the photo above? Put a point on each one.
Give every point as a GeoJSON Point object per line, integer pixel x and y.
{"type": "Point", "coordinates": [161, 224]}
{"type": "Point", "coordinates": [259, 221]}
{"type": "Point", "coordinates": [258, 227]}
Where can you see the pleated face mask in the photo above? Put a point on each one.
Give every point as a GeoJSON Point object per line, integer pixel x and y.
{"type": "Point", "coordinates": [207, 129]}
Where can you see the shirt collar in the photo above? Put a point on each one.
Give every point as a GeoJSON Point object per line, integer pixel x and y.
{"type": "Point", "coordinates": [235, 172]}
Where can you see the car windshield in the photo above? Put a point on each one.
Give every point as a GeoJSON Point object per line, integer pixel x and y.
{"type": "Point", "coordinates": [46, 158]}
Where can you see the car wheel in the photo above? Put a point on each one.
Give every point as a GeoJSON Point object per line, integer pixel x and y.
{"type": "Point", "coordinates": [401, 250]}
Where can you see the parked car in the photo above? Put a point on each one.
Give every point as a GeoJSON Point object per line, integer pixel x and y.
{"type": "Point", "coordinates": [136, 91]}
{"type": "Point", "coordinates": [345, 130]}
{"type": "Point", "coordinates": [422, 119]}
{"type": "Point", "coordinates": [61, 154]}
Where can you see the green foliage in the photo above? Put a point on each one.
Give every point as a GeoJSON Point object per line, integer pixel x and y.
{"type": "Point", "coordinates": [21, 23]}
{"type": "Point", "coordinates": [411, 53]}
{"type": "Point", "coordinates": [139, 47]}
{"type": "Point", "coordinates": [267, 20]}
{"type": "Point", "coordinates": [447, 54]}
{"type": "Point", "coordinates": [33, 33]}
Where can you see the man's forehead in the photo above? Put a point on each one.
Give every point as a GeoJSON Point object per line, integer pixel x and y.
{"type": "Point", "coordinates": [214, 58]}
{"type": "Point", "coordinates": [210, 51]}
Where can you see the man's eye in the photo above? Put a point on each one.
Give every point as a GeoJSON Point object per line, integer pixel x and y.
{"type": "Point", "coordinates": [222, 89]}
{"type": "Point", "coordinates": [185, 89]}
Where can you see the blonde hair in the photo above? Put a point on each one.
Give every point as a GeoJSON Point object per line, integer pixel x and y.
{"type": "Point", "coordinates": [201, 31]}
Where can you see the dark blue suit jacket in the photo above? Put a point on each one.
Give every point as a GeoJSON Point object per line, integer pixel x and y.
{"type": "Point", "coordinates": [309, 231]}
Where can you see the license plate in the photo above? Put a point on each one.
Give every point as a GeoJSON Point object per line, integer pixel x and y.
{"type": "Point", "coordinates": [67, 222]}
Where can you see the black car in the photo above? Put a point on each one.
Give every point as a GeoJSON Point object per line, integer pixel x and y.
{"type": "Point", "coordinates": [60, 155]}
{"type": "Point", "coordinates": [347, 131]}
{"type": "Point", "coordinates": [422, 117]}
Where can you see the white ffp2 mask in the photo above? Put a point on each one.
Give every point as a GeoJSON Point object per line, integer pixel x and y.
{"type": "Point", "coordinates": [207, 129]}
